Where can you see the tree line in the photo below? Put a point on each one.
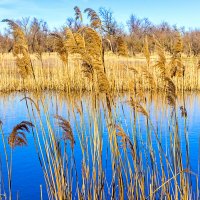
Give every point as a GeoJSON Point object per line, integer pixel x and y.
{"type": "Point", "coordinates": [127, 39]}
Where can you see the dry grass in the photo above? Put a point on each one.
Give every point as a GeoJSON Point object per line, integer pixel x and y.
{"type": "Point", "coordinates": [54, 75]}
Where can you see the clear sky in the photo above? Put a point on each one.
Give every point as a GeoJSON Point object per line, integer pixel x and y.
{"type": "Point", "coordinates": [180, 12]}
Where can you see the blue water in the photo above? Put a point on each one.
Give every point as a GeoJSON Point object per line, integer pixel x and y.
{"type": "Point", "coordinates": [27, 176]}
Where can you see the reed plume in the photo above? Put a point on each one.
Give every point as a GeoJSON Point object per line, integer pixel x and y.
{"type": "Point", "coordinates": [60, 47]}
{"type": "Point", "coordinates": [94, 56]}
{"type": "Point", "coordinates": [66, 45]}
{"type": "Point", "coordinates": [87, 70]}
{"type": "Point", "coordinates": [78, 14]}
{"type": "Point", "coordinates": [18, 136]}
{"type": "Point", "coordinates": [161, 62]}
{"type": "Point", "coordinates": [166, 83]}
{"type": "Point", "coordinates": [94, 18]}
{"type": "Point", "coordinates": [176, 66]}
{"type": "Point", "coordinates": [68, 133]}
{"type": "Point", "coordinates": [122, 48]}
{"type": "Point", "coordinates": [20, 47]}
{"type": "Point", "coordinates": [69, 42]}
{"type": "Point", "coordinates": [178, 47]}
{"type": "Point", "coordinates": [170, 91]}
{"type": "Point", "coordinates": [126, 142]}
{"type": "Point", "coordinates": [80, 43]}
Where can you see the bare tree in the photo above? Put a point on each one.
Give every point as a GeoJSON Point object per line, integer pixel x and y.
{"type": "Point", "coordinates": [109, 24]}
{"type": "Point", "coordinates": [24, 24]}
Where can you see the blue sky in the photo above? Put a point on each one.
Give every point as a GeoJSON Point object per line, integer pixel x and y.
{"type": "Point", "coordinates": [55, 12]}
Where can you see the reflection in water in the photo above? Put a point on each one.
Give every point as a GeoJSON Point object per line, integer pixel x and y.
{"type": "Point", "coordinates": [122, 149]}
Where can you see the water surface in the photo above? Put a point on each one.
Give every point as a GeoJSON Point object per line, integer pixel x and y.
{"type": "Point", "coordinates": [27, 174]}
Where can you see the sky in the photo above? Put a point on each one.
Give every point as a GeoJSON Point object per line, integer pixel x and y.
{"type": "Point", "coordinates": [55, 12]}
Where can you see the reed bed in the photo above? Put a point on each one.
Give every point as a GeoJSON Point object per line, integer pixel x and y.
{"type": "Point", "coordinates": [140, 168]}
{"type": "Point", "coordinates": [51, 74]}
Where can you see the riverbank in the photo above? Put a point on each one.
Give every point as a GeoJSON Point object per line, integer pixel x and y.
{"type": "Point", "coordinates": [123, 73]}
